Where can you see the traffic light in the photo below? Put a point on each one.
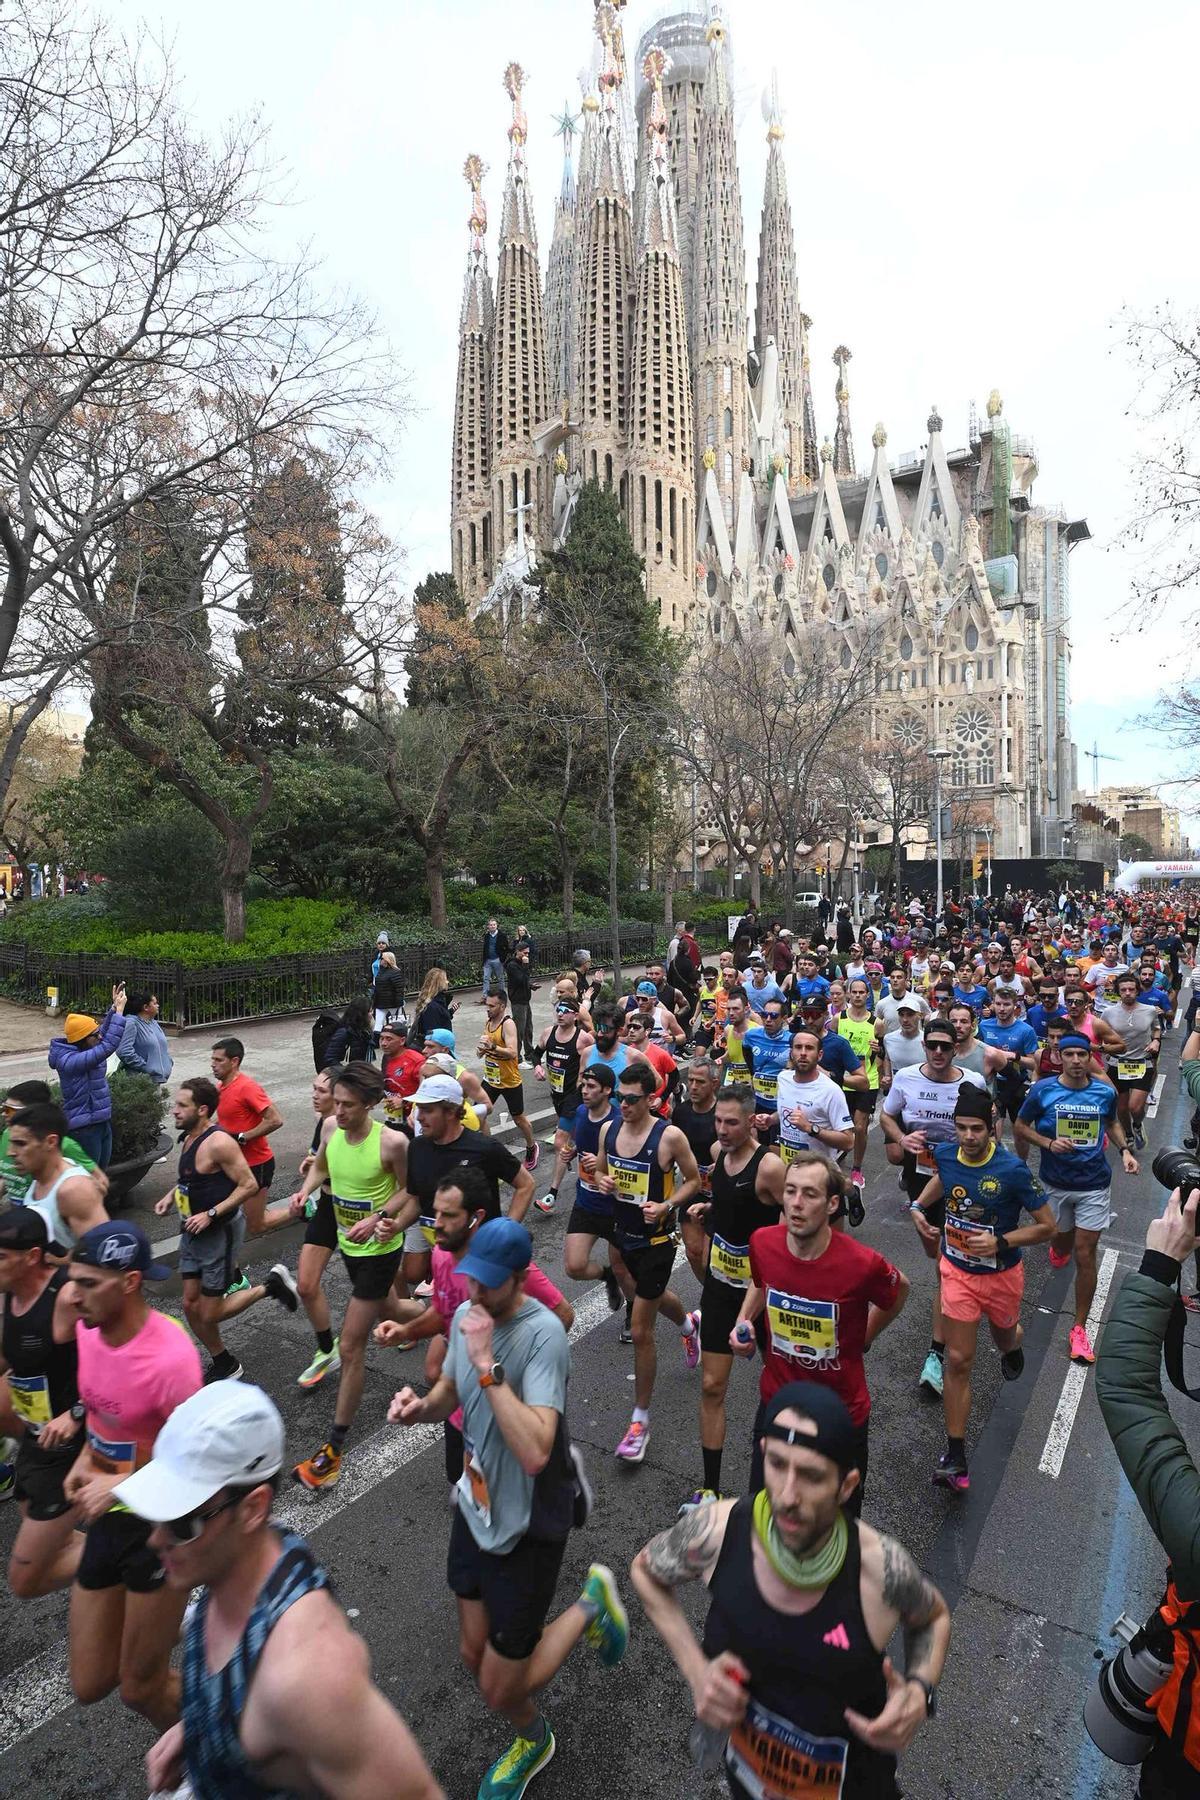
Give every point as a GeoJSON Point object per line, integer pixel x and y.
{"type": "Point", "coordinates": [977, 866]}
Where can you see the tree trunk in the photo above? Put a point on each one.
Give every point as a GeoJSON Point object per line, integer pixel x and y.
{"type": "Point", "coordinates": [435, 881]}
{"type": "Point", "coordinates": [755, 879]}
{"type": "Point", "coordinates": [669, 895]}
{"type": "Point", "coordinates": [568, 887]}
{"type": "Point", "coordinates": [234, 870]}
{"type": "Point", "coordinates": [730, 869]}
{"type": "Point", "coordinates": [610, 801]}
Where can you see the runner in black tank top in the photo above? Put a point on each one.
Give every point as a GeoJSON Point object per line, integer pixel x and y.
{"type": "Point", "coordinates": [42, 1366]}
{"type": "Point", "coordinates": [791, 1686]}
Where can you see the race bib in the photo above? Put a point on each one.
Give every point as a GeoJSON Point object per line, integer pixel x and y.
{"type": "Point", "coordinates": [804, 1329]}
{"type": "Point", "coordinates": [393, 1111]}
{"type": "Point", "coordinates": [557, 1077]}
{"type": "Point", "coordinates": [491, 1071]}
{"type": "Point", "coordinates": [349, 1212]}
{"type": "Point", "coordinates": [182, 1201]}
{"type": "Point", "coordinates": [31, 1398]}
{"type": "Point", "coordinates": [959, 1234]}
{"type": "Point", "coordinates": [776, 1760]}
{"type": "Point", "coordinates": [925, 1159]}
{"type": "Point", "coordinates": [706, 1170]}
{"type": "Point", "coordinates": [1083, 1132]}
{"type": "Point", "coordinates": [1131, 1071]}
{"type": "Point", "coordinates": [112, 1458]}
{"type": "Point", "coordinates": [428, 1231]}
{"type": "Point", "coordinates": [766, 1085]}
{"type": "Point", "coordinates": [632, 1184]}
{"type": "Point", "coordinates": [472, 1485]}
{"type": "Point", "coordinates": [729, 1263]}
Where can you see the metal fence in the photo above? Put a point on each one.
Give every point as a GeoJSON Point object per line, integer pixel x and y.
{"type": "Point", "coordinates": [281, 985]}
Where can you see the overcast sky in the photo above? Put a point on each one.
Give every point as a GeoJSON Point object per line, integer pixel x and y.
{"type": "Point", "coordinates": [977, 192]}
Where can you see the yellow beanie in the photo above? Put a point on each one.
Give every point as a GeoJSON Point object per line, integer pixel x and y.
{"type": "Point", "coordinates": [78, 1027]}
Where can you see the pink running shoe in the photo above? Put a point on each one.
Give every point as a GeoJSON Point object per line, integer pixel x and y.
{"type": "Point", "coordinates": [858, 1178]}
{"type": "Point", "coordinates": [1058, 1258]}
{"type": "Point", "coordinates": [632, 1447]}
{"type": "Point", "coordinates": [1081, 1346]}
{"type": "Point", "coordinates": [691, 1344]}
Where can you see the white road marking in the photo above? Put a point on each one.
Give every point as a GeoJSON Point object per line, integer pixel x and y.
{"type": "Point", "coordinates": [1059, 1435]}
{"type": "Point", "coordinates": [1155, 1095]}
{"type": "Point", "coordinates": [41, 1689]}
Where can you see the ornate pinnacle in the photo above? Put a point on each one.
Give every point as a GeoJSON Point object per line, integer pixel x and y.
{"type": "Point", "coordinates": [995, 405]}
{"type": "Point", "coordinates": [474, 171]}
{"type": "Point", "coordinates": [772, 111]}
{"type": "Point", "coordinates": [565, 125]}
{"type": "Point", "coordinates": [514, 81]}
{"type": "Point", "coordinates": [879, 436]}
{"type": "Point", "coordinates": [934, 421]}
{"type": "Point", "coordinates": [560, 464]}
{"type": "Point", "coordinates": [826, 451]}
{"type": "Point", "coordinates": [607, 30]}
{"type": "Point", "coordinates": [655, 65]}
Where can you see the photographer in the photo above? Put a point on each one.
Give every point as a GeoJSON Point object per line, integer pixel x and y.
{"type": "Point", "coordinates": [1165, 1479]}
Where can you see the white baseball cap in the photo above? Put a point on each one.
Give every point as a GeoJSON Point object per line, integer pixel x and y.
{"type": "Point", "coordinates": [228, 1434]}
{"type": "Point", "coordinates": [439, 1089]}
{"type": "Point", "coordinates": [907, 1005]}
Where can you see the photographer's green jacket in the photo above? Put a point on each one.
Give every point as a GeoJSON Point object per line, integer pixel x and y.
{"type": "Point", "coordinates": [1147, 1440]}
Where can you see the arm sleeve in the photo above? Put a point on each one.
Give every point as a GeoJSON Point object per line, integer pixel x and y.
{"type": "Point", "coordinates": [1148, 1442]}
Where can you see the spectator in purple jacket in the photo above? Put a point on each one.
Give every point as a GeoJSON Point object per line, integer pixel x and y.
{"type": "Point", "coordinates": [78, 1059]}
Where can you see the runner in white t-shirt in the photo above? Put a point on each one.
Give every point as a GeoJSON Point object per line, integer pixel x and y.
{"type": "Point", "coordinates": [813, 1114]}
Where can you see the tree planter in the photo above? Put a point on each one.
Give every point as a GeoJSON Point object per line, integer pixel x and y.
{"type": "Point", "coordinates": [124, 1177]}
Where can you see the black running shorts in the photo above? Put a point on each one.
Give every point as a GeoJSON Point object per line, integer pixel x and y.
{"type": "Point", "coordinates": [516, 1589]}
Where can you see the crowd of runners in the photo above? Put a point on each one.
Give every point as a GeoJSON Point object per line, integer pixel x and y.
{"type": "Point", "coordinates": [715, 1161]}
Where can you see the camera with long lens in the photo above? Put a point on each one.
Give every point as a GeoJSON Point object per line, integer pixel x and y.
{"type": "Point", "coordinates": [1175, 1168]}
{"type": "Point", "coordinates": [1115, 1713]}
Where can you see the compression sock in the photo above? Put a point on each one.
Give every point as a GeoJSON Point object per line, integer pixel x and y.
{"type": "Point", "coordinates": [325, 1341]}
{"type": "Point", "coordinates": [338, 1436]}
{"type": "Point", "coordinates": [712, 1468]}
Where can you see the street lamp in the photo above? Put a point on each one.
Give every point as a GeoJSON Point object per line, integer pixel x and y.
{"type": "Point", "coordinates": [989, 831]}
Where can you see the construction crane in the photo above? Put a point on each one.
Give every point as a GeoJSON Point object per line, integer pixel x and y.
{"type": "Point", "coordinates": [1098, 756]}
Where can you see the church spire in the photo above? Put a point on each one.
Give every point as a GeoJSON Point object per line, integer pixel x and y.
{"type": "Point", "coordinates": [560, 274]}
{"type": "Point", "coordinates": [470, 510]}
{"type": "Point", "coordinates": [812, 465]}
{"type": "Point", "coordinates": [661, 481]}
{"type": "Point", "coordinates": [719, 300]}
{"type": "Point", "coordinates": [778, 312]}
{"type": "Point", "coordinates": [606, 280]}
{"type": "Point", "coordinates": [843, 442]}
{"type": "Point", "coordinates": [520, 390]}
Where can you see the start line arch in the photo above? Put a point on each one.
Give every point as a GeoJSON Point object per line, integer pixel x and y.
{"type": "Point", "coordinates": [1132, 875]}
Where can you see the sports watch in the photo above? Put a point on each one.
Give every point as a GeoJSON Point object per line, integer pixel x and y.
{"type": "Point", "coordinates": [493, 1377]}
{"type": "Point", "coordinates": [930, 1695]}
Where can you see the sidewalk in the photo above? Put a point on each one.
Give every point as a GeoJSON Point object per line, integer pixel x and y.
{"type": "Point", "coordinates": [24, 1029]}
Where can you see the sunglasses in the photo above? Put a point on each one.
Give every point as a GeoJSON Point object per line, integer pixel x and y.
{"type": "Point", "coordinates": [191, 1527]}
{"type": "Point", "coordinates": [940, 1044]}
{"type": "Point", "coordinates": [772, 1018]}
{"type": "Point", "coordinates": [630, 1099]}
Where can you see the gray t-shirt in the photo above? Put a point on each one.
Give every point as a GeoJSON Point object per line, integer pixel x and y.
{"type": "Point", "coordinates": [888, 1009]}
{"type": "Point", "coordinates": [903, 1052]}
{"type": "Point", "coordinates": [495, 1496]}
{"type": "Point", "coordinates": [1136, 1024]}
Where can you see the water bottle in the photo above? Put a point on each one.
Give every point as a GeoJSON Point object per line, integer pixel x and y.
{"type": "Point", "coordinates": [706, 1743]}
{"type": "Point", "coordinates": [745, 1332]}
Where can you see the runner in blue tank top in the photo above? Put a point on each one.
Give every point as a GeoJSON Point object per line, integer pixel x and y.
{"type": "Point", "coordinates": [265, 1619]}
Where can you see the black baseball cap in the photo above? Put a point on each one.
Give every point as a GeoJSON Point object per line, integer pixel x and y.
{"type": "Point", "coordinates": [23, 1228]}
{"type": "Point", "coordinates": [117, 1245]}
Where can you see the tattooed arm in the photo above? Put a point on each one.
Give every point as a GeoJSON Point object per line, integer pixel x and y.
{"type": "Point", "coordinates": [894, 1591]}
{"type": "Point", "coordinates": [689, 1552]}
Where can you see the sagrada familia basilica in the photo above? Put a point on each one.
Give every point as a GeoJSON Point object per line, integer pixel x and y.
{"type": "Point", "coordinates": [632, 358]}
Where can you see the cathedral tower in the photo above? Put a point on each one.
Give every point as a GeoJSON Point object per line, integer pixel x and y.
{"type": "Point", "coordinates": [681, 36]}
{"type": "Point", "coordinates": [605, 277]}
{"type": "Point", "coordinates": [843, 442]}
{"type": "Point", "coordinates": [661, 468]}
{"type": "Point", "coordinates": [560, 278]}
{"type": "Point", "coordinates": [778, 313]}
{"type": "Point", "coordinates": [470, 509]}
{"type": "Point", "coordinates": [520, 390]}
{"type": "Point", "coordinates": [718, 341]}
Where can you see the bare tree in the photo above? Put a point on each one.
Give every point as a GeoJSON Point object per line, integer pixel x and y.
{"type": "Point", "coordinates": [904, 785]}
{"type": "Point", "coordinates": [1165, 346]}
{"type": "Point", "coordinates": [150, 345]}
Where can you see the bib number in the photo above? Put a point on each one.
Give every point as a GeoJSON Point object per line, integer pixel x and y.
{"type": "Point", "coordinates": [182, 1202]}
{"type": "Point", "coordinates": [472, 1485]}
{"type": "Point", "coordinates": [31, 1399]}
{"type": "Point", "coordinates": [959, 1234]}
{"type": "Point", "coordinates": [766, 1086]}
{"type": "Point", "coordinates": [1084, 1132]}
{"type": "Point", "coordinates": [349, 1212]}
{"type": "Point", "coordinates": [112, 1458]}
{"type": "Point", "coordinates": [776, 1760]}
{"type": "Point", "coordinates": [1131, 1071]}
{"type": "Point", "coordinates": [427, 1230]}
{"type": "Point", "coordinates": [729, 1263]}
{"type": "Point", "coordinates": [557, 1078]}
{"type": "Point", "coordinates": [803, 1329]}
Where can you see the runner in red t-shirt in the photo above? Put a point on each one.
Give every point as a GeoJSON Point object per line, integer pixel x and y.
{"type": "Point", "coordinates": [247, 1112]}
{"type": "Point", "coordinates": [822, 1299]}
{"type": "Point", "coordinates": [637, 1037]}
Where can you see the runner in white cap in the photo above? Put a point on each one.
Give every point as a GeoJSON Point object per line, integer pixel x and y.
{"type": "Point", "coordinates": [264, 1620]}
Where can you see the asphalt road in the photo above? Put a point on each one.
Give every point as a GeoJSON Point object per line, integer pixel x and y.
{"type": "Point", "coordinates": [1036, 1563]}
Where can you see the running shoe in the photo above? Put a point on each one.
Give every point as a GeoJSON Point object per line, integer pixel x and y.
{"type": "Point", "coordinates": [632, 1447]}
{"type": "Point", "coordinates": [322, 1364]}
{"type": "Point", "coordinates": [858, 1178]}
{"type": "Point", "coordinates": [1012, 1363]}
{"type": "Point", "coordinates": [1058, 1258]}
{"type": "Point", "coordinates": [546, 1202]}
{"type": "Point", "coordinates": [691, 1342]}
{"type": "Point", "coordinates": [1081, 1346]}
{"type": "Point", "coordinates": [225, 1367]}
{"type": "Point", "coordinates": [240, 1284]}
{"type": "Point", "coordinates": [856, 1212]}
{"type": "Point", "coordinates": [608, 1632]}
{"type": "Point", "coordinates": [701, 1497]}
{"type": "Point", "coordinates": [8, 1457]}
{"type": "Point", "coordinates": [512, 1773]}
{"type": "Point", "coordinates": [951, 1472]}
{"type": "Point", "coordinates": [321, 1470]}
{"type": "Point", "coordinates": [932, 1374]}
{"type": "Point", "coordinates": [280, 1285]}
{"type": "Point", "coordinates": [612, 1288]}
{"type": "Point", "coordinates": [533, 1157]}
{"type": "Point", "coordinates": [423, 1290]}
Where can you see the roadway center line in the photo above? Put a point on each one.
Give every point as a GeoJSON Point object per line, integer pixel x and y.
{"type": "Point", "coordinates": [1059, 1435]}
{"type": "Point", "coordinates": [41, 1689]}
